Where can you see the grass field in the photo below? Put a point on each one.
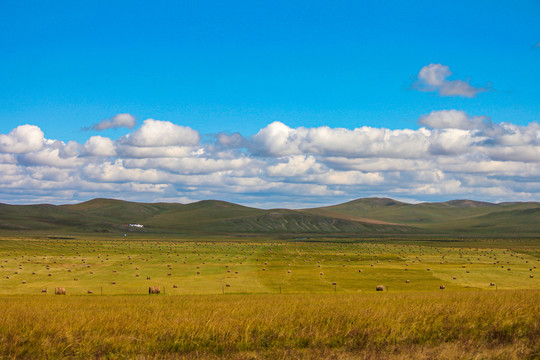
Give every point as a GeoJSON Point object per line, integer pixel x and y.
{"type": "Point", "coordinates": [269, 298]}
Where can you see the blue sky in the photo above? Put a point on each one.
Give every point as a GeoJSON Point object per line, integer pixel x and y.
{"type": "Point", "coordinates": [226, 67]}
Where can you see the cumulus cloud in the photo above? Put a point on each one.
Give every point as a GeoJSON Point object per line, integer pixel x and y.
{"type": "Point", "coordinates": [452, 155]}
{"type": "Point", "coordinates": [434, 78]}
{"type": "Point", "coordinates": [22, 139]}
{"type": "Point", "coordinates": [277, 139]}
{"type": "Point", "coordinates": [118, 121]}
{"type": "Point", "coordinates": [99, 146]}
{"type": "Point", "coordinates": [453, 119]}
{"type": "Point", "coordinates": [155, 133]}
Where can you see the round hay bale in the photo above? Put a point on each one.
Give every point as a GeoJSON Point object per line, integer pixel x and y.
{"type": "Point", "coordinates": [175, 286]}
{"type": "Point", "coordinates": [154, 290]}
{"type": "Point", "coordinates": [442, 287]}
{"type": "Point", "coordinates": [24, 281]}
{"type": "Point", "coordinates": [407, 281]}
{"type": "Point", "coordinates": [44, 290]}
{"type": "Point", "coordinates": [89, 292]}
{"type": "Point", "coordinates": [60, 291]}
{"type": "Point", "coordinates": [379, 288]}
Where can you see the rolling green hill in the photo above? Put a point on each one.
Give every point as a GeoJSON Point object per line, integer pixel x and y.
{"type": "Point", "coordinates": [358, 217]}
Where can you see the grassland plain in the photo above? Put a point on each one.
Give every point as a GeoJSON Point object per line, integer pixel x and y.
{"type": "Point", "coordinates": [269, 298]}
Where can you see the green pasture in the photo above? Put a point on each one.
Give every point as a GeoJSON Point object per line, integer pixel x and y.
{"type": "Point", "coordinates": [30, 265]}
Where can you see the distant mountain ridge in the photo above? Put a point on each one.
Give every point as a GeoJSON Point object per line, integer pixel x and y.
{"type": "Point", "coordinates": [367, 216]}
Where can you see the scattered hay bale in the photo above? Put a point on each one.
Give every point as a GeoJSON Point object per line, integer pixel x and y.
{"type": "Point", "coordinates": [175, 286]}
{"type": "Point", "coordinates": [24, 281]}
{"type": "Point", "coordinates": [227, 285]}
{"type": "Point", "coordinates": [154, 290]}
{"type": "Point", "coordinates": [89, 292]}
{"type": "Point", "coordinates": [360, 270]}
{"type": "Point", "coordinates": [407, 281]}
{"type": "Point", "coordinates": [76, 279]}
{"type": "Point", "coordinates": [442, 287]}
{"type": "Point", "coordinates": [531, 276]}
{"type": "Point", "coordinates": [60, 291]}
{"type": "Point", "coordinates": [379, 288]}
{"type": "Point", "coordinates": [44, 290]}
{"type": "Point", "coordinates": [321, 273]}
{"type": "Point", "coordinates": [148, 278]}
{"type": "Point", "coordinates": [113, 282]}
{"type": "Point", "coordinates": [491, 284]}
{"type": "Point", "coordinates": [288, 271]}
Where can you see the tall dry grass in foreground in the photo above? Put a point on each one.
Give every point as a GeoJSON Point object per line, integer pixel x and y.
{"type": "Point", "coordinates": [431, 325]}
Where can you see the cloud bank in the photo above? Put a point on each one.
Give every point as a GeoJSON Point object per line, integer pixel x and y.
{"type": "Point", "coordinates": [434, 78]}
{"type": "Point", "coordinates": [451, 155]}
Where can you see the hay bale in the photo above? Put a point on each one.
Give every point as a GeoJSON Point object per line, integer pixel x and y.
{"type": "Point", "coordinates": [379, 288]}
{"type": "Point", "coordinates": [44, 290]}
{"type": "Point", "coordinates": [60, 291]}
{"type": "Point", "coordinates": [491, 284]}
{"type": "Point", "coordinates": [89, 292]}
{"type": "Point", "coordinates": [407, 281]}
{"type": "Point", "coordinates": [175, 286]}
{"type": "Point", "coordinates": [24, 281]}
{"type": "Point", "coordinates": [154, 290]}
{"type": "Point", "coordinates": [442, 287]}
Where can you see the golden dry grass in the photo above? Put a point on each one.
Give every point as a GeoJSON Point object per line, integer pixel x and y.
{"type": "Point", "coordinates": [421, 325]}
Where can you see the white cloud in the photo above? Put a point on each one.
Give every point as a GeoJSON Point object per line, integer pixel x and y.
{"type": "Point", "coordinates": [434, 78]}
{"type": "Point", "coordinates": [455, 155]}
{"type": "Point", "coordinates": [453, 119]}
{"type": "Point", "coordinates": [99, 146]}
{"type": "Point", "coordinates": [118, 121]}
{"type": "Point", "coordinates": [156, 133]}
{"type": "Point", "coordinates": [22, 139]}
{"type": "Point", "coordinates": [277, 139]}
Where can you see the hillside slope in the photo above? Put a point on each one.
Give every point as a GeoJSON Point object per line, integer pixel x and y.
{"type": "Point", "coordinates": [358, 217]}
